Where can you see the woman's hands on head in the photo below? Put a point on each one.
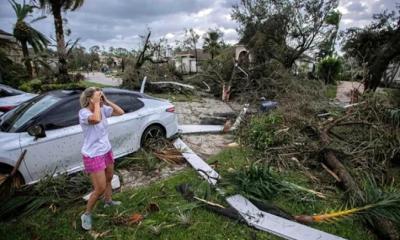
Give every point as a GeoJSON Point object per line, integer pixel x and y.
{"type": "Point", "coordinates": [105, 99]}
{"type": "Point", "coordinates": [96, 97]}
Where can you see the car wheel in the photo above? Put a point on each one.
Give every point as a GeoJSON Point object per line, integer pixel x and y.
{"type": "Point", "coordinates": [152, 135]}
{"type": "Point", "coordinates": [18, 180]}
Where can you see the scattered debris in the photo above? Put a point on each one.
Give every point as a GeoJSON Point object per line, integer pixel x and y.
{"type": "Point", "coordinates": [192, 129]}
{"type": "Point", "coordinates": [143, 84]}
{"type": "Point", "coordinates": [10, 182]}
{"type": "Point", "coordinates": [133, 219]}
{"type": "Point", "coordinates": [97, 235]}
{"type": "Point", "coordinates": [233, 145]}
{"type": "Point", "coordinates": [169, 155]}
{"type": "Point", "coordinates": [196, 162]}
{"type": "Point", "coordinates": [240, 117]}
{"type": "Point", "coordinates": [276, 225]}
{"type": "Point", "coordinates": [250, 213]}
{"type": "Point", "coordinates": [152, 207]}
{"type": "Point", "coordinates": [136, 218]}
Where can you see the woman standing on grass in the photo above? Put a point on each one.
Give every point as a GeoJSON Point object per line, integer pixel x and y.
{"type": "Point", "coordinates": [96, 150]}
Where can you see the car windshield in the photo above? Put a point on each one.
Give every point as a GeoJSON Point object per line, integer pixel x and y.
{"type": "Point", "coordinates": [18, 117]}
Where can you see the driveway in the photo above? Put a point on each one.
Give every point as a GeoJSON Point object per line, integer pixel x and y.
{"type": "Point", "coordinates": [343, 93]}
{"type": "Point", "coordinates": [101, 78]}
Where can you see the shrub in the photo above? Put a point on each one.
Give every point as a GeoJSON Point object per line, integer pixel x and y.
{"type": "Point", "coordinates": [329, 69]}
{"type": "Point", "coordinates": [12, 74]}
{"type": "Point", "coordinates": [37, 86]}
{"type": "Point", "coordinates": [31, 86]}
{"type": "Point", "coordinates": [262, 131]}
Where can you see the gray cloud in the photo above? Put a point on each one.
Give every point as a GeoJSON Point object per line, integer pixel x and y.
{"type": "Point", "coordinates": [118, 23]}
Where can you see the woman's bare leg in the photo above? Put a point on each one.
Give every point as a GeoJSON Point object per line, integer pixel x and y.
{"type": "Point", "coordinates": [99, 184]}
{"type": "Point", "coordinates": [109, 175]}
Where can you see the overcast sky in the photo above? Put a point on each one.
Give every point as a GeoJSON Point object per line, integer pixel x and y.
{"type": "Point", "coordinates": [118, 23]}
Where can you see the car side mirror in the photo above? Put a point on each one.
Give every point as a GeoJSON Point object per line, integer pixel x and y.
{"type": "Point", "coordinates": [37, 131]}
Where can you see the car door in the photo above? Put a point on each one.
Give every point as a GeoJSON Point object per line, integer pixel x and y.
{"type": "Point", "coordinates": [124, 130]}
{"type": "Point", "coordinates": [60, 150]}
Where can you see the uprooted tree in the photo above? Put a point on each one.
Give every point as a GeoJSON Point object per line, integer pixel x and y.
{"type": "Point", "coordinates": [284, 30]}
{"type": "Point", "coordinates": [375, 46]}
{"type": "Point", "coordinates": [149, 61]}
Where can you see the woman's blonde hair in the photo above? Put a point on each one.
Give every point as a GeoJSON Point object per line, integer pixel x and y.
{"type": "Point", "coordinates": [87, 95]}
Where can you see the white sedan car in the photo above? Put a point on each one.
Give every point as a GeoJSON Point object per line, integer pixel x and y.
{"type": "Point", "coordinates": [10, 98]}
{"type": "Point", "coordinates": [47, 127]}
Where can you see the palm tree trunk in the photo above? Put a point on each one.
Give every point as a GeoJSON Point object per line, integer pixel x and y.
{"type": "Point", "coordinates": [27, 61]}
{"type": "Point", "coordinates": [62, 58]}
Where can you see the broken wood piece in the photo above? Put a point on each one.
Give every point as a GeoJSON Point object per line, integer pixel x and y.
{"type": "Point", "coordinates": [330, 172]}
{"type": "Point", "coordinates": [233, 145]}
{"type": "Point", "coordinates": [143, 84]}
{"type": "Point", "coordinates": [191, 129]}
{"type": "Point", "coordinates": [240, 118]}
{"type": "Point", "coordinates": [258, 219]}
{"type": "Point", "coordinates": [197, 163]}
{"type": "Point", "coordinates": [208, 202]}
{"type": "Point", "coordinates": [276, 225]}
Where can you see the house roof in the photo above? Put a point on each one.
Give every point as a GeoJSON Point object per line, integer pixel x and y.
{"type": "Point", "coordinates": [201, 55]}
{"type": "Point", "coordinates": [2, 32]}
{"type": "Point", "coordinates": [6, 35]}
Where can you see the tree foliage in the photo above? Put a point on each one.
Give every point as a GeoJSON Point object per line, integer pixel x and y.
{"type": "Point", "coordinates": [329, 68]}
{"type": "Point", "coordinates": [26, 34]}
{"type": "Point", "coordinates": [213, 42]}
{"type": "Point", "coordinates": [376, 45]}
{"type": "Point", "coordinates": [56, 7]}
{"type": "Point", "coordinates": [283, 30]}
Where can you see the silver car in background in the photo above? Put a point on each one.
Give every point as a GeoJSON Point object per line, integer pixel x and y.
{"type": "Point", "coordinates": [47, 126]}
{"type": "Point", "coordinates": [10, 98]}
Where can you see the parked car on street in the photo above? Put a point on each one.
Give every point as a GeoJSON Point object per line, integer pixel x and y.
{"type": "Point", "coordinates": [10, 98]}
{"type": "Point", "coordinates": [47, 126]}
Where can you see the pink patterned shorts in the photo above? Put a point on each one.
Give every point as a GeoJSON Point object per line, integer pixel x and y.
{"type": "Point", "coordinates": [98, 163]}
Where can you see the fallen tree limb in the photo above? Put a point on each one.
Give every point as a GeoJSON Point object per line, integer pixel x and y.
{"type": "Point", "coordinates": [169, 86]}
{"type": "Point", "coordinates": [383, 227]}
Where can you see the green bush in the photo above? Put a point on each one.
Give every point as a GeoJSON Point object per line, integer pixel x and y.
{"type": "Point", "coordinates": [12, 74]}
{"type": "Point", "coordinates": [329, 69]}
{"type": "Point", "coordinates": [31, 86]}
{"type": "Point", "coordinates": [262, 131]}
{"type": "Point", "coordinates": [36, 86]}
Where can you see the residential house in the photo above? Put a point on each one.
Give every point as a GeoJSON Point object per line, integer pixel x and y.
{"type": "Point", "coordinates": [185, 61]}
{"type": "Point", "coordinates": [12, 48]}
{"type": "Point", "coordinates": [392, 75]}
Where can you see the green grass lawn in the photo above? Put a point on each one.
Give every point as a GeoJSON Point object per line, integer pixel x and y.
{"type": "Point", "coordinates": [64, 223]}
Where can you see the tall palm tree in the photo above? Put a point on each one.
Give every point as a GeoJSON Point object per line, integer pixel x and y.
{"type": "Point", "coordinates": [26, 34]}
{"type": "Point", "coordinates": [212, 42]}
{"type": "Point", "coordinates": [56, 7]}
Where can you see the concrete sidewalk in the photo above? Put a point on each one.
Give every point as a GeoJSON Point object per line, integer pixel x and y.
{"type": "Point", "coordinates": [99, 77]}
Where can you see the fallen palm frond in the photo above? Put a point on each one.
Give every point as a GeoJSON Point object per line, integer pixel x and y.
{"type": "Point", "coordinates": [50, 191]}
{"type": "Point", "coordinates": [133, 219]}
{"type": "Point", "coordinates": [12, 181]}
{"type": "Point", "coordinates": [376, 203]}
{"type": "Point", "coordinates": [169, 155]}
{"type": "Point", "coordinates": [165, 151]}
{"type": "Point", "coordinates": [260, 182]}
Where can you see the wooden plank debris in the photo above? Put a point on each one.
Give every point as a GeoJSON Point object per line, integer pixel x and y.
{"type": "Point", "coordinates": [276, 225]}
{"type": "Point", "coordinates": [197, 163]}
{"type": "Point", "coordinates": [191, 129]}
{"type": "Point", "coordinates": [252, 215]}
